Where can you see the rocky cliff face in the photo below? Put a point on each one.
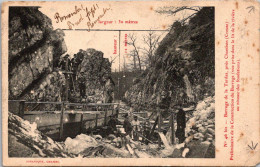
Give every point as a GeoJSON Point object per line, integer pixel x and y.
{"type": "Point", "coordinates": [91, 80]}
{"type": "Point", "coordinates": [183, 69]}
{"type": "Point", "coordinates": [34, 51]}
{"type": "Point", "coordinates": [36, 64]}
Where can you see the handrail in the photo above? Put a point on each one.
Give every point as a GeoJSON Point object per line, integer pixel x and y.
{"type": "Point", "coordinates": [42, 102]}
{"type": "Point", "coordinates": [66, 103]}
{"type": "Point", "coordinates": [65, 112]}
{"type": "Point", "coordinates": [92, 104]}
{"type": "Point", "coordinates": [135, 114]}
{"type": "Point", "coordinates": [16, 100]}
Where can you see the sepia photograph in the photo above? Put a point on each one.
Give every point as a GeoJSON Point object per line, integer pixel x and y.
{"type": "Point", "coordinates": [130, 83]}
{"type": "Point", "coordinates": [149, 94]}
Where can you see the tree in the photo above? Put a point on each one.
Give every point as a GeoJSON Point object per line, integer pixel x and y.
{"type": "Point", "coordinates": [135, 53]}
{"type": "Point", "coordinates": [172, 11]}
{"type": "Point", "coordinates": [112, 60]}
{"type": "Point", "coordinates": [143, 50]}
{"type": "Point", "coordinates": [151, 41]}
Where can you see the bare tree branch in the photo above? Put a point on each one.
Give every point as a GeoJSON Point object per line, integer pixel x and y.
{"type": "Point", "coordinates": [132, 42]}
{"type": "Point", "coordinates": [113, 59]}
{"type": "Point", "coordinates": [172, 11]}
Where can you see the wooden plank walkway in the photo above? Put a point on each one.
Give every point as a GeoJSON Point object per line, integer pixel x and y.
{"type": "Point", "coordinates": [84, 116]}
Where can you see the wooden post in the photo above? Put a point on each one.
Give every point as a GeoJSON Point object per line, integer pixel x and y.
{"type": "Point", "coordinates": [61, 120]}
{"type": "Point", "coordinates": [172, 128]}
{"type": "Point", "coordinates": [67, 80]}
{"type": "Point", "coordinates": [117, 111]}
{"type": "Point", "coordinates": [21, 108]}
{"type": "Point", "coordinates": [154, 126]}
{"type": "Point", "coordinates": [96, 121]}
{"type": "Point", "coordinates": [81, 119]}
{"type": "Point", "coordinates": [159, 127]}
{"type": "Point", "coordinates": [105, 119]}
{"type": "Point", "coordinates": [96, 125]}
{"type": "Point", "coordinates": [81, 123]}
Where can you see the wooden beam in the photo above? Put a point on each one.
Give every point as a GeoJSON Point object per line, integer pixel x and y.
{"type": "Point", "coordinates": [81, 123]}
{"type": "Point", "coordinates": [65, 112]}
{"type": "Point", "coordinates": [159, 127]}
{"type": "Point", "coordinates": [101, 104]}
{"type": "Point", "coordinates": [140, 117]}
{"type": "Point", "coordinates": [67, 80]}
{"type": "Point", "coordinates": [54, 102]}
{"type": "Point", "coordinates": [117, 111]}
{"type": "Point", "coordinates": [129, 148]}
{"type": "Point", "coordinates": [134, 112]}
{"type": "Point", "coordinates": [61, 120]}
{"type": "Point", "coordinates": [91, 104]}
{"type": "Point", "coordinates": [154, 126]}
{"type": "Point", "coordinates": [42, 102]}
{"type": "Point", "coordinates": [81, 119]}
{"type": "Point", "coordinates": [105, 119]}
{"type": "Point", "coordinates": [96, 123]}
{"type": "Point", "coordinates": [164, 140]}
{"type": "Point", "coordinates": [21, 108]}
{"type": "Point", "coordinates": [172, 129]}
{"type": "Point", "coordinates": [33, 107]}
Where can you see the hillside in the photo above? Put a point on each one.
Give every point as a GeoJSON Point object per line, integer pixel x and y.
{"type": "Point", "coordinates": [183, 68]}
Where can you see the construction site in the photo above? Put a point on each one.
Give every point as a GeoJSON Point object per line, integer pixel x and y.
{"type": "Point", "coordinates": [75, 105]}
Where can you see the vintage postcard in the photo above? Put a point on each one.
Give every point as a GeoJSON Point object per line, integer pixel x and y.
{"type": "Point", "coordinates": [106, 83]}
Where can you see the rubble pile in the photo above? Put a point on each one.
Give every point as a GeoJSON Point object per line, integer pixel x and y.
{"type": "Point", "coordinates": [201, 126]}
{"type": "Point", "coordinates": [80, 143]}
{"type": "Point", "coordinates": [34, 49]}
{"type": "Point", "coordinates": [24, 140]}
{"type": "Point", "coordinates": [93, 146]}
{"type": "Point", "coordinates": [25, 135]}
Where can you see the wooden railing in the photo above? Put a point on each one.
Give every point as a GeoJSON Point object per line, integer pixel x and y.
{"type": "Point", "coordinates": [99, 107]}
{"type": "Point", "coordinates": [158, 121]}
{"type": "Point", "coordinates": [85, 109]}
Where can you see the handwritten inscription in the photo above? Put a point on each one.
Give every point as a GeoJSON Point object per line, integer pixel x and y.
{"type": "Point", "coordinates": [80, 14]}
{"type": "Point", "coordinates": [59, 18]}
{"type": "Point", "coordinates": [92, 23]}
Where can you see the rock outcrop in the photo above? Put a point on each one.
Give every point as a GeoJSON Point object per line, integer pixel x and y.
{"type": "Point", "coordinates": [183, 68]}
{"type": "Point", "coordinates": [34, 52]}
{"type": "Point", "coordinates": [36, 63]}
{"type": "Point", "coordinates": [92, 76]}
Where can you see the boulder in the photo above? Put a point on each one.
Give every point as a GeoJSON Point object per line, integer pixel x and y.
{"type": "Point", "coordinates": [211, 131]}
{"type": "Point", "coordinates": [80, 143]}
